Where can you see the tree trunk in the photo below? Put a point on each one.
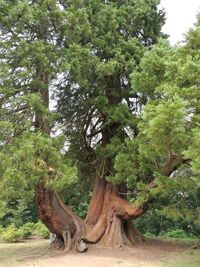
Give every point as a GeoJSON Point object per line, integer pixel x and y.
{"type": "Point", "coordinates": [109, 217]}
{"type": "Point", "coordinates": [60, 220]}
{"type": "Point", "coordinates": [108, 220]}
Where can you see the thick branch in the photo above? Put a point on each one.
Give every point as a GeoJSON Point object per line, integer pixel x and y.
{"type": "Point", "coordinates": [125, 210]}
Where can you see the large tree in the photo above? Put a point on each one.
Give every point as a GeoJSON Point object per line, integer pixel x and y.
{"type": "Point", "coordinates": [124, 105]}
{"type": "Point", "coordinates": [98, 107]}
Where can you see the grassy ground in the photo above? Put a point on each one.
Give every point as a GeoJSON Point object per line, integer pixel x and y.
{"type": "Point", "coordinates": [155, 253]}
{"type": "Point", "coordinates": [189, 258]}
{"type": "Point", "coordinates": [18, 254]}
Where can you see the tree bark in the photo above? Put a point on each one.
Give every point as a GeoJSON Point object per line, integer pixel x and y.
{"type": "Point", "coordinates": [109, 217]}
{"type": "Point", "coordinates": [59, 219]}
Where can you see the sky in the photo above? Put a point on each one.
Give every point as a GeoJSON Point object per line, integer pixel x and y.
{"type": "Point", "coordinates": [181, 15]}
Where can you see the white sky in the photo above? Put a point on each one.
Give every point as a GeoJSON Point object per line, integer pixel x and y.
{"type": "Point", "coordinates": [181, 15]}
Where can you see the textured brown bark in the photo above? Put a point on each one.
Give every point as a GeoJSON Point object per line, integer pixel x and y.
{"type": "Point", "coordinates": [58, 218]}
{"type": "Point", "coordinates": [108, 220]}
{"type": "Point", "coordinates": [109, 217]}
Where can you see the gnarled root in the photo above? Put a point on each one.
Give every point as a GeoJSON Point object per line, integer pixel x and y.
{"type": "Point", "coordinates": [111, 225]}
{"type": "Point", "coordinates": [55, 241]}
{"type": "Point", "coordinates": [97, 232]}
{"type": "Point", "coordinates": [114, 227]}
{"type": "Point", "coordinates": [59, 219]}
{"type": "Point", "coordinates": [115, 235]}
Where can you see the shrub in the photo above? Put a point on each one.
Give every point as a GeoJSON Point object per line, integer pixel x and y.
{"type": "Point", "coordinates": [42, 230]}
{"type": "Point", "coordinates": [178, 233]}
{"type": "Point", "coordinates": [149, 234]}
{"type": "Point", "coordinates": [1, 231]}
{"type": "Point", "coordinates": [11, 234]}
{"type": "Point", "coordinates": [27, 229]}
{"type": "Point", "coordinates": [192, 236]}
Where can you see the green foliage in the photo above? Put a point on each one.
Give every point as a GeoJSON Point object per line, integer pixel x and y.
{"type": "Point", "coordinates": [179, 234]}
{"type": "Point", "coordinates": [27, 229]}
{"type": "Point", "coordinates": [100, 65]}
{"type": "Point", "coordinates": [167, 81]}
{"type": "Point", "coordinates": [193, 153]}
{"type": "Point", "coordinates": [20, 211]}
{"type": "Point", "coordinates": [26, 160]}
{"type": "Point", "coordinates": [147, 234]}
{"type": "Point", "coordinates": [3, 209]}
{"type": "Point", "coordinates": [151, 71]}
{"type": "Point", "coordinates": [77, 196]}
{"type": "Point", "coordinates": [163, 124]}
{"type": "Point", "coordinates": [1, 230]}
{"type": "Point", "coordinates": [176, 234]}
{"type": "Point", "coordinates": [11, 234]}
{"type": "Point", "coordinates": [80, 209]}
{"type": "Point", "coordinates": [42, 230]}
{"type": "Point", "coordinates": [163, 217]}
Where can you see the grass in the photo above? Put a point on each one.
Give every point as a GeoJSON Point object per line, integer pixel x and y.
{"type": "Point", "coordinates": [12, 255]}
{"type": "Point", "coordinates": [188, 258]}
{"type": "Point", "coordinates": [177, 253]}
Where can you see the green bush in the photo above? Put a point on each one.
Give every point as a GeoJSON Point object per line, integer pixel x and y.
{"type": "Point", "coordinates": [19, 212]}
{"type": "Point", "coordinates": [11, 234]}
{"type": "Point", "coordinates": [42, 230]}
{"type": "Point", "coordinates": [192, 236]}
{"type": "Point", "coordinates": [27, 229]}
{"type": "Point", "coordinates": [178, 233]}
{"type": "Point", "coordinates": [1, 231]}
{"type": "Point", "coordinates": [149, 234]}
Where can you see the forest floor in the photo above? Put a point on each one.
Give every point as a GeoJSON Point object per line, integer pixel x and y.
{"type": "Point", "coordinates": [154, 253]}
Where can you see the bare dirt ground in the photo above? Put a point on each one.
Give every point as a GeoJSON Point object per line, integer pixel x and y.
{"type": "Point", "coordinates": [154, 253]}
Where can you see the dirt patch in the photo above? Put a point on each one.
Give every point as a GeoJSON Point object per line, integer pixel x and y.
{"type": "Point", "coordinates": [154, 253]}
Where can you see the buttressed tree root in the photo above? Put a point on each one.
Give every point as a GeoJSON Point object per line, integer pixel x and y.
{"type": "Point", "coordinates": [108, 220]}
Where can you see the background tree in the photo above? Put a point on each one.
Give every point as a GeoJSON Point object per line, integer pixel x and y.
{"type": "Point", "coordinates": [169, 126]}
{"type": "Point", "coordinates": [31, 32]}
